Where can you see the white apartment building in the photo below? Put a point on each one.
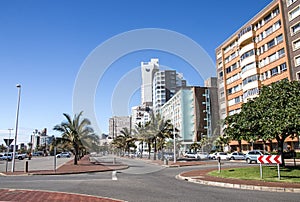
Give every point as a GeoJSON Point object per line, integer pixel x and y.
{"type": "Point", "coordinates": [148, 69]}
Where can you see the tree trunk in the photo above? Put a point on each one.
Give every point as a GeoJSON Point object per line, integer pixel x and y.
{"type": "Point", "coordinates": [149, 148]}
{"type": "Point", "coordinates": [154, 158]}
{"type": "Point", "coordinates": [280, 142]}
{"type": "Point", "coordinates": [240, 146]}
{"type": "Point", "coordinates": [142, 149]}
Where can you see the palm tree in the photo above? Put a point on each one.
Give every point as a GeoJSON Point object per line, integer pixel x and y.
{"type": "Point", "coordinates": [73, 133]}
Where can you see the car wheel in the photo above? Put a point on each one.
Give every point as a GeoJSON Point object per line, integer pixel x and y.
{"type": "Point", "coordinates": [232, 158]}
{"type": "Point", "coordinates": [248, 161]}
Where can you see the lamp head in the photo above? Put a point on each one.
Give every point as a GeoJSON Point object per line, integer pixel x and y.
{"type": "Point", "coordinates": [18, 85]}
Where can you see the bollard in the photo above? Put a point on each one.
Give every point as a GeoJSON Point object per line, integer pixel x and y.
{"type": "Point", "coordinates": [26, 167]}
{"type": "Point", "coordinates": [114, 160]}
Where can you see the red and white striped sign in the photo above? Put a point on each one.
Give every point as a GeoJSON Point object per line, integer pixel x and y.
{"type": "Point", "coordinates": [271, 159]}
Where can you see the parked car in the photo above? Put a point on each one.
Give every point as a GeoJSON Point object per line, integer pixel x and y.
{"type": "Point", "coordinates": [202, 155]}
{"type": "Point", "coordinates": [236, 156]}
{"type": "Point", "coordinates": [251, 156]}
{"type": "Point", "coordinates": [63, 155]}
{"type": "Point", "coordinates": [1, 156]}
{"type": "Point", "coordinates": [190, 155]}
{"type": "Point", "coordinates": [212, 155]}
{"type": "Point", "coordinates": [222, 156]}
{"type": "Point", "coordinates": [7, 156]}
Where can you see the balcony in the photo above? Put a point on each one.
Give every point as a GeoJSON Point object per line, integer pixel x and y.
{"type": "Point", "coordinates": [245, 34]}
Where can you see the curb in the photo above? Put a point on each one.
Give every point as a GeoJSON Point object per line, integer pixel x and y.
{"type": "Point", "coordinates": [65, 173]}
{"type": "Point", "coordinates": [238, 186]}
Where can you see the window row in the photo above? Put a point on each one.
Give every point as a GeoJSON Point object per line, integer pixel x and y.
{"type": "Point", "coordinates": [271, 58]}
{"type": "Point", "coordinates": [233, 78]}
{"type": "Point", "coordinates": [231, 57]}
{"type": "Point", "coordinates": [232, 67]}
{"type": "Point", "coordinates": [273, 72]}
{"type": "Point", "coordinates": [235, 100]}
{"type": "Point", "coordinates": [250, 79]}
{"type": "Point", "coordinates": [234, 89]}
{"type": "Point", "coordinates": [270, 44]}
{"type": "Point", "coordinates": [266, 19]}
{"type": "Point", "coordinates": [235, 111]}
{"type": "Point", "coordinates": [268, 31]}
{"type": "Point", "coordinates": [247, 54]}
{"type": "Point", "coordinates": [251, 92]}
{"type": "Point", "coordinates": [248, 67]}
{"type": "Point", "coordinates": [230, 46]}
{"type": "Point", "coordinates": [245, 30]}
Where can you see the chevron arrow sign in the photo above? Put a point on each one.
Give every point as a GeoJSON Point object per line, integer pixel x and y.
{"type": "Point", "coordinates": [270, 159]}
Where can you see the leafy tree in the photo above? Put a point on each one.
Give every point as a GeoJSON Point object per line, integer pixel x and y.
{"type": "Point", "coordinates": [73, 133]}
{"type": "Point", "coordinates": [272, 115]}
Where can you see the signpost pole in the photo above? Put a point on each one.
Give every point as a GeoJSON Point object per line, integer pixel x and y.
{"type": "Point", "coordinates": [260, 169]}
{"type": "Point", "coordinates": [278, 171]}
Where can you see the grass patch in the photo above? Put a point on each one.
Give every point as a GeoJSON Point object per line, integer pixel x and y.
{"type": "Point", "coordinates": [288, 174]}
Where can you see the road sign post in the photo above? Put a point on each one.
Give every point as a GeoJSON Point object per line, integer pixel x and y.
{"type": "Point", "coordinates": [269, 159]}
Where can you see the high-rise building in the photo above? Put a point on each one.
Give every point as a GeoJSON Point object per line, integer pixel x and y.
{"type": "Point", "coordinates": [262, 51]}
{"type": "Point", "coordinates": [165, 84]}
{"type": "Point", "coordinates": [140, 115]}
{"type": "Point", "coordinates": [191, 111]}
{"type": "Point", "coordinates": [148, 69]}
{"type": "Point", "coordinates": [117, 123]}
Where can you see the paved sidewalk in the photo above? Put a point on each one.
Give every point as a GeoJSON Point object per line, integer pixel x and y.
{"type": "Point", "coordinates": [84, 166]}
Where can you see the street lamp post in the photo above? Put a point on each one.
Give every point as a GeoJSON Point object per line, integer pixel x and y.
{"type": "Point", "coordinates": [16, 132]}
{"type": "Point", "coordinates": [174, 135]}
{"type": "Point", "coordinates": [8, 144]}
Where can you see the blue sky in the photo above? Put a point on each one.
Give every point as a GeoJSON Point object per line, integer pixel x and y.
{"type": "Point", "coordinates": [43, 44]}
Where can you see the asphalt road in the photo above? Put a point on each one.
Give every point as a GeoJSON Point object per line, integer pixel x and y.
{"type": "Point", "coordinates": [142, 182]}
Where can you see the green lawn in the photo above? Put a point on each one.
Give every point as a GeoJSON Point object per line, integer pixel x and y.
{"type": "Point", "coordinates": [288, 174]}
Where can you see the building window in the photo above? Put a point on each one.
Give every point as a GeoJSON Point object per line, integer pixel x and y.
{"type": "Point", "coordinates": [250, 79]}
{"type": "Point", "coordinates": [271, 43]}
{"type": "Point", "coordinates": [247, 54]}
{"type": "Point", "coordinates": [274, 71]}
{"type": "Point", "coordinates": [295, 29]}
{"type": "Point", "coordinates": [298, 76]}
{"type": "Point", "coordinates": [289, 2]}
{"type": "Point", "coordinates": [294, 13]}
{"type": "Point", "coordinates": [281, 53]}
{"type": "Point", "coordinates": [282, 67]}
{"type": "Point", "coordinates": [221, 74]}
{"type": "Point", "coordinates": [296, 44]}
{"type": "Point", "coordinates": [297, 60]}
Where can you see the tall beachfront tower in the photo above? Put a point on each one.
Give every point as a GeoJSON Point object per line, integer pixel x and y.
{"type": "Point", "coordinates": [148, 69]}
{"type": "Point", "coordinates": [264, 50]}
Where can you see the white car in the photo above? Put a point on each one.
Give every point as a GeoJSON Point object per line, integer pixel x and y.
{"type": "Point", "coordinates": [63, 155]}
{"type": "Point", "coordinates": [202, 155]}
{"type": "Point", "coordinates": [237, 156]}
{"type": "Point", "coordinates": [190, 155]}
{"type": "Point", "coordinates": [222, 156]}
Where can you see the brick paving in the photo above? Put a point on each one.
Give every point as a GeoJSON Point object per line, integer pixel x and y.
{"type": "Point", "coordinates": [41, 196]}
